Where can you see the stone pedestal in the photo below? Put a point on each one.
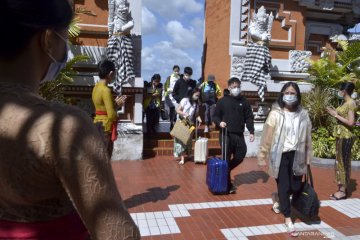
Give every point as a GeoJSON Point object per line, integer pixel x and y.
{"type": "Point", "coordinates": [129, 144]}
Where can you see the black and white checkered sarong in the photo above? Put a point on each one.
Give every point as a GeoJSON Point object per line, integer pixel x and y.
{"type": "Point", "coordinates": [257, 67]}
{"type": "Point", "coordinates": [120, 51]}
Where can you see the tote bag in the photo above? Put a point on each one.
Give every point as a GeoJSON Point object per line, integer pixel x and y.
{"type": "Point", "coordinates": [183, 130]}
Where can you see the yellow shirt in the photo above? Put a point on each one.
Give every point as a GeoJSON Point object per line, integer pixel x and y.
{"type": "Point", "coordinates": [341, 130]}
{"type": "Point", "coordinates": [103, 101]}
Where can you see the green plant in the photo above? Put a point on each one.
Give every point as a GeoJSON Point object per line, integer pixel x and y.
{"type": "Point", "coordinates": [327, 73]}
{"type": "Point", "coordinates": [323, 143]}
{"type": "Point", "coordinates": [316, 102]}
{"type": "Point", "coordinates": [52, 90]}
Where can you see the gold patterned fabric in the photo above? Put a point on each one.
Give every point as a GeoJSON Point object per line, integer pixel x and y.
{"type": "Point", "coordinates": [343, 160]}
{"type": "Point", "coordinates": [340, 130]}
{"type": "Point", "coordinates": [53, 161]}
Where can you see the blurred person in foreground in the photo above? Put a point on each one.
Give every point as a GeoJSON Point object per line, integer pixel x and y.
{"type": "Point", "coordinates": [54, 181]}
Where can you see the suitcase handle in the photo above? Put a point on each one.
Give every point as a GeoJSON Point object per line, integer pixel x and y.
{"type": "Point", "coordinates": [224, 143]}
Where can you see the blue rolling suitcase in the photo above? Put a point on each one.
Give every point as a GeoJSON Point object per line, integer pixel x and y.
{"type": "Point", "coordinates": [217, 170]}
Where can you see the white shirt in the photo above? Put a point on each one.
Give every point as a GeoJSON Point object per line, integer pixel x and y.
{"type": "Point", "coordinates": [291, 125]}
{"type": "Point", "coordinates": [187, 107]}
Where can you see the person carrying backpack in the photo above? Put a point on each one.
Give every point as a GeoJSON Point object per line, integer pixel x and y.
{"type": "Point", "coordinates": [210, 92]}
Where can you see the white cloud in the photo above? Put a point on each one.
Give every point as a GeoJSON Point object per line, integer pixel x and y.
{"type": "Point", "coordinates": [198, 24]}
{"type": "Point", "coordinates": [148, 21]}
{"type": "Point", "coordinates": [161, 57]}
{"type": "Point", "coordinates": [182, 37]}
{"type": "Point", "coordinates": [173, 8]}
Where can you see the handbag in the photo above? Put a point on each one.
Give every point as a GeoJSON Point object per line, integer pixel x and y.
{"type": "Point", "coordinates": [183, 130]}
{"type": "Point", "coordinates": [164, 114]}
{"type": "Point", "coordinates": [307, 202]}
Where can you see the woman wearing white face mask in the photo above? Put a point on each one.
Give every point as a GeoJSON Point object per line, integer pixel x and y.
{"type": "Point", "coordinates": [56, 178]}
{"type": "Point", "coordinates": [286, 146]}
{"type": "Point", "coordinates": [345, 115]}
{"type": "Point", "coordinates": [187, 108]}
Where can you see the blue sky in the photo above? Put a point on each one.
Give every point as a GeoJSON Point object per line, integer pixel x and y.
{"type": "Point", "coordinates": [172, 33]}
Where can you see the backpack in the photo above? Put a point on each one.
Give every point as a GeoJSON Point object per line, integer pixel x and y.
{"type": "Point", "coordinates": [209, 92]}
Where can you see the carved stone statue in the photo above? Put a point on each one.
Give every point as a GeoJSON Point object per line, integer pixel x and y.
{"type": "Point", "coordinates": [258, 58]}
{"type": "Point", "coordinates": [261, 25]}
{"type": "Point", "coordinates": [120, 48]}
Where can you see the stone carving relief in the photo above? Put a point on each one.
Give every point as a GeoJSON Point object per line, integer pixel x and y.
{"type": "Point", "coordinates": [355, 37]}
{"type": "Point", "coordinates": [356, 6]}
{"type": "Point", "coordinates": [326, 4]}
{"type": "Point", "coordinates": [261, 25]}
{"type": "Point", "coordinates": [120, 45]}
{"type": "Point", "coordinates": [299, 60]}
{"type": "Point", "coordinates": [308, 3]}
{"type": "Point", "coordinates": [237, 66]}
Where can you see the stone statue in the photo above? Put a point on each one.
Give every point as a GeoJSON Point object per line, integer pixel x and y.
{"type": "Point", "coordinates": [261, 25]}
{"type": "Point", "coordinates": [120, 48]}
{"type": "Point", "coordinates": [258, 58]}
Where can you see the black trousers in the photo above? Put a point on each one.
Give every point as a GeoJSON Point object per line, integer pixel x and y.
{"type": "Point", "coordinates": [287, 182]}
{"type": "Point", "coordinates": [172, 117]}
{"type": "Point", "coordinates": [236, 151]}
{"type": "Point", "coordinates": [152, 119]}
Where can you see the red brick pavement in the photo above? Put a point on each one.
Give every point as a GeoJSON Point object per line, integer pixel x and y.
{"type": "Point", "coordinates": [151, 185]}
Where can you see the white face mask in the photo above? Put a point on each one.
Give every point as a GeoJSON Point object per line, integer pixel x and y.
{"type": "Point", "coordinates": [235, 91]}
{"type": "Point", "coordinates": [55, 67]}
{"type": "Point", "coordinates": [195, 98]}
{"type": "Point", "coordinates": [354, 95]}
{"type": "Point", "coordinates": [290, 99]}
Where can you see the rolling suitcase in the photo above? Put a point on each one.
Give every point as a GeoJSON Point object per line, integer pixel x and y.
{"type": "Point", "coordinates": [201, 150]}
{"type": "Point", "coordinates": [217, 170]}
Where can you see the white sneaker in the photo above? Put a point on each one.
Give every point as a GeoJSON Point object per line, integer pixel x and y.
{"type": "Point", "coordinates": [290, 228]}
{"type": "Point", "coordinates": [276, 204]}
{"type": "Point", "coordinates": [206, 130]}
{"type": "Point", "coordinates": [276, 208]}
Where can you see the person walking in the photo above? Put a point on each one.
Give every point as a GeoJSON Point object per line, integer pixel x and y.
{"type": "Point", "coordinates": [168, 94]}
{"type": "Point", "coordinates": [210, 92]}
{"type": "Point", "coordinates": [187, 109]}
{"type": "Point", "coordinates": [184, 85]}
{"type": "Point", "coordinates": [345, 138]}
{"type": "Point", "coordinates": [56, 177]}
{"type": "Point", "coordinates": [233, 112]}
{"type": "Point", "coordinates": [152, 101]}
{"type": "Point", "coordinates": [105, 112]}
{"type": "Point", "coordinates": [286, 145]}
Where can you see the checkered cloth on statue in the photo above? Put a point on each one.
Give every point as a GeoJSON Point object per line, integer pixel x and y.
{"type": "Point", "coordinates": [120, 51]}
{"type": "Point", "coordinates": [257, 67]}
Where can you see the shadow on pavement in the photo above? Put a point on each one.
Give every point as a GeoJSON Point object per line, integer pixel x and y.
{"type": "Point", "coordinates": [152, 195]}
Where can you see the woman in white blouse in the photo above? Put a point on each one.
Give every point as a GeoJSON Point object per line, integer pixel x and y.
{"type": "Point", "coordinates": [286, 145]}
{"type": "Point", "coordinates": [188, 109]}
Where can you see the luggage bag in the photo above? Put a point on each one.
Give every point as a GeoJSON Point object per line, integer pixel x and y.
{"type": "Point", "coordinates": [201, 150]}
{"type": "Point", "coordinates": [217, 170]}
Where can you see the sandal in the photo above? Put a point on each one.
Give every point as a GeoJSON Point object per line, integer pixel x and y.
{"type": "Point", "coordinates": [333, 197]}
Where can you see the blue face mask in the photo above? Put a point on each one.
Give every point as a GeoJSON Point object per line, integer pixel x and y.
{"type": "Point", "coordinates": [55, 67]}
{"type": "Point", "coordinates": [290, 99]}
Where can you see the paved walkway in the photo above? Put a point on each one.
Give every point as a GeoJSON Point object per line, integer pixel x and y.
{"type": "Point", "coordinates": [169, 201]}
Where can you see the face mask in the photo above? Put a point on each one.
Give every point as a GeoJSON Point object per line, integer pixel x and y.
{"type": "Point", "coordinates": [235, 91]}
{"type": "Point", "coordinates": [195, 98]}
{"type": "Point", "coordinates": [354, 95]}
{"type": "Point", "coordinates": [290, 99]}
{"type": "Point", "coordinates": [55, 67]}
{"type": "Point", "coordinates": [340, 95]}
